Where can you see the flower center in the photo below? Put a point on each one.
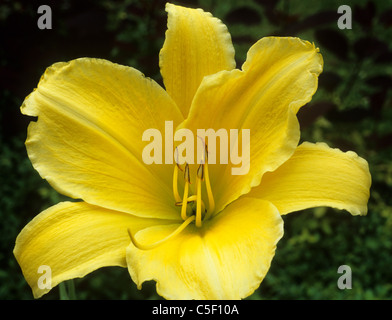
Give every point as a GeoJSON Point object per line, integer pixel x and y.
{"type": "Point", "coordinates": [193, 207]}
{"type": "Point", "coordinates": [200, 211]}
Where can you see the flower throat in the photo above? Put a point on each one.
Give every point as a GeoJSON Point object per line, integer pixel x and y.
{"type": "Point", "coordinates": [193, 207]}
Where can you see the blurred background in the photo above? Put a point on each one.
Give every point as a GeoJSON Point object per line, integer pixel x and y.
{"type": "Point", "coordinates": [352, 110]}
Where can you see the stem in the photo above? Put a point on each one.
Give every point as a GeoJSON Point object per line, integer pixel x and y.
{"type": "Point", "coordinates": [71, 290]}
{"type": "Point", "coordinates": [63, 291]}
{"type": "Point", "coordinates": [67, 290]}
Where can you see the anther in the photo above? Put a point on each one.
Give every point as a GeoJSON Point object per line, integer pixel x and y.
{"type": "Point", "coordinates": [177, 164]}
{"type": "Point", "coordinates": [200, 172]}
{"type": "Point", "coordinates": [187, 176]}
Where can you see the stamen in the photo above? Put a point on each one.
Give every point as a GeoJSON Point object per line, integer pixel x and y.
{"type": "Point", "coordinates": [177, 159]}
{"type": "Point", "coordinates": [193, 199]}
{"type": "Point", "coordinates": [202, 175]}
{"type": "Point", "coordinates": [198, 195]}
{"type": "Point", "coordinates": [177, 197]}
{"type": "Point", "coordinates": [206, 177]}
{"type": "Point", "coordinates": [200, 172]}
{"type": "Point", "coordinates": [186, 190]}
{"type": "Point", "coordinates": [160, 242]}
{"type": "Point", "coordinates": [211, 202]}
{"type": "Point", "coordinates": [187, 176]}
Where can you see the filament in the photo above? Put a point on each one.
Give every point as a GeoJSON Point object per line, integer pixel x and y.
{"type": "Point", "coordinates": [193, 199]}
{"type": "Point", "coordinates": [198, 201]}
{"type": "Point", "coordinates": [160, 242]}
{"type": "Point", "coordinates": [177, 197]}
{"type": "Point", "coordinates": [185, 201]}
{"type": "Point", "coordinates": [211, 202]}
{"type": "Point", "coordinates": [186, 191]}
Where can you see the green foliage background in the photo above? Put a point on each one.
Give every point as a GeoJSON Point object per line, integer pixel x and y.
{"type": "Point", "coordinates": [352, 110]}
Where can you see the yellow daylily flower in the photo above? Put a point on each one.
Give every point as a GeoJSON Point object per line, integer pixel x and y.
{"type": "Point", "coordinates": [196, 229]}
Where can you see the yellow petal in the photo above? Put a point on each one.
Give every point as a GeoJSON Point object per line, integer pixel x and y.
{"type": "Point", "coordinates": [317, 175]}
{"type": "Point", "coordinates": [196, 45]}
{"type": "Point", "coordinates": [279, 76]}
{"type": "Point", "coordinates": [227, 258]}
{"type": "Point", "coordinates": [87, 141]}
{"type": "Point", "coordinates": [73, 239]}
